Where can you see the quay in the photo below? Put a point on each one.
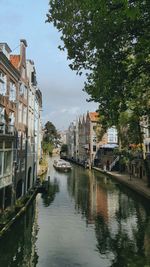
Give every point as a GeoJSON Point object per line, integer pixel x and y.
{"type": "Point", "coordinates": [136, 184]}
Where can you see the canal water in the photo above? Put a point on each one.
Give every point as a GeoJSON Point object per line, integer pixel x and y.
{"type": "Point", "coordinates": [86, 220]}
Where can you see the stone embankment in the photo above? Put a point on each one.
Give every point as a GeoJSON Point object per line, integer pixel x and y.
{"type": "Point", "coordinates": [136, 184]}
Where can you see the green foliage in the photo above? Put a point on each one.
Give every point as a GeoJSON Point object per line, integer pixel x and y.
{"type": "Point", "coordinates": [51, 138]}
{"type": "Point", "coordinates": [109, 39]}
{"type": "Point", "coordinates": [64, 148]}
{"type": "Point", "coordinates": [47, 148]}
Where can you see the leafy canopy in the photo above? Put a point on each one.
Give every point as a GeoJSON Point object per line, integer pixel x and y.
{"type": "Point", "coordinates": [110, 40]}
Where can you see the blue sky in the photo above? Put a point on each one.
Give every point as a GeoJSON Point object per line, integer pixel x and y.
{"type": "Point", "coordinates": [63, 98]}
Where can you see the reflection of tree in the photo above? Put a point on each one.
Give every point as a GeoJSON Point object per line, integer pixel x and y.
{"type": "Point", "coordinates": [126, 243]}
{"type": "Point", "coordinates": [17, 248]}
{"type": "Point", "coordinates": [49, 196]}
{"type": "Point", "coordinates": [122, 236]}
{"type": "Point", "coordinates": [78, 187]}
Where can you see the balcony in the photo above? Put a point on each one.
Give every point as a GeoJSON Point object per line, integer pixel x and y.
{"type": "Point", "coordinates": [8, 130]}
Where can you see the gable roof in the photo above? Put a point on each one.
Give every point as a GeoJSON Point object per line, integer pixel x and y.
{"type": "Point", "coordinates": [94, 116]}
{"type": "Point", "coordinates": [15, 60]}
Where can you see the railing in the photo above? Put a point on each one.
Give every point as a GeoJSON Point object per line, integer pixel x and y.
{"type": "Point", "coordinates": [114, 163]}
{"type": "Point", "coordinates": [7, 129]}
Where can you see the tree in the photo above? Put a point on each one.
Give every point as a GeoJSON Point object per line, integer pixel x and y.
{"type": "Point", "coordinates": [51, 138]}
{"type": "Point", "coordinates": [109, 40]}
{"type": "Point", "coordinates": [51, 135]}
{"type": "Point", "coordinates": [64, 148]}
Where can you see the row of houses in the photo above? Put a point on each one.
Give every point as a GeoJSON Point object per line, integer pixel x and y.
{"type": "Point", "coordinates": [89, 145]}
{"type": "Point", "coordinates": [20, 125]}
{"type": "Point", "coordinates": [83, 140]}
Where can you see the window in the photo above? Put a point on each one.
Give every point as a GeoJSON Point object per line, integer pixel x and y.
{"type": "Point", "coordinates": [7, 162]}
{"type": "Point", "coordinates": [12, 92]}
{"type": "Point", "coordinates": [20, 113]}
{"type": "Point", "coordinates": [19, 140]}
{"type": "Point", "coordinates": [2, 120]}
{"type": "Point", "coordinates": [23, 91]}
{"type": "Point", "coordinates": [23, 141]}
{"type": "Point", "coordinates": [111, 138]}
{"type": "Point", "coordinates": [3, 80]}
{"type": "Point", "coordinates": [94, 148]}
{"type": "Point", "coordinates": [6, 167]}
{"type": "Point", "coordinates": [8, 144]}
{"type": "Point", "coordinates": [23, 164]}
{"type": "Point", "coordinates": [24, 115]}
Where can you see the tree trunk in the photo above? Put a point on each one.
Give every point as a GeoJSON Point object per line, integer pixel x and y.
{"type": "Point", "coordinates": [145, 161]}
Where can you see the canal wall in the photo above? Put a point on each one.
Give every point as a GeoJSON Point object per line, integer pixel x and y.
{"type": "Point", "coordinates": [19, 212]}
{"type": "Point", "coordinates": [135, 184]}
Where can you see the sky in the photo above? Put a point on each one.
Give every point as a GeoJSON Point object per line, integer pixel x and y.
{"type": "Point", "coordinates": [63, 98]}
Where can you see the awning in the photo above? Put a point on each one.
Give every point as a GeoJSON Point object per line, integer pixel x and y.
{"type": "Point", "coordinates": [109, 146]}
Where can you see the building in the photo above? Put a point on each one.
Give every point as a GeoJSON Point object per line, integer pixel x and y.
{"type": "Point", "coordinates": [20, 125]}
{"type": "Point", "coordinates": [9, 87]}
{"type": "Point", "coordinates": [87, 142]}
{"type": "Point", "coordinates": [19, 62]}
{"type": "Point", "coordinates": [38, 128]}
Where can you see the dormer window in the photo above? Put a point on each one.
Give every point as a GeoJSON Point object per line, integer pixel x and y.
{"type": "Point", "coordinates": [3, 80]}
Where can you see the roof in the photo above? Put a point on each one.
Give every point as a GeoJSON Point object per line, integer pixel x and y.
{"type": "Point", "coordinates": [93, 116]}
{"type": "Point", "coordinates": [15, 60]}
{"type": "Point", "coordinates": [109, 146]}
{"type": "Point", "coordinates": [5, 45]}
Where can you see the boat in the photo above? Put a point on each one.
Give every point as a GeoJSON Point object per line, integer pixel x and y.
{"type": "Point", "coordinates": [62, 165]}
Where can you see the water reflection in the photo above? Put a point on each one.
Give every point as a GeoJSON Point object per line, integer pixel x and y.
{"type": "Point", "coordinates": [122, 225]}
{"type": "Point", "coordinates": [49, 196]}
{"type": "Point", "coordinates": [85, 220]}
{"type": "Point", "coordinates": [17, 248]}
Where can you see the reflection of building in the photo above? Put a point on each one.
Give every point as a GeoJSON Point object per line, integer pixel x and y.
{"type": "Point", "coordinates": [20, 244]}
{"type": "Point", "coordinates": [102, 200]}
{"type": "Point", "coordinates": [20, 124]}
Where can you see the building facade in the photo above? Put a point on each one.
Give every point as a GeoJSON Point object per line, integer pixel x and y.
{"type": "Point", "coordinates": [18, 143]}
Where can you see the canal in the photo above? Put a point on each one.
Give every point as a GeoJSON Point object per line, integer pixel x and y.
{"type": "Point", "coordinates": [86, 220]}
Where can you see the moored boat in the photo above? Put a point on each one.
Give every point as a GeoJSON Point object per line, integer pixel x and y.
{"type": "Point", "coordinates": [62, 165]}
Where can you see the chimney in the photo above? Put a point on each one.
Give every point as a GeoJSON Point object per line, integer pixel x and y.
{"type": "Point", "coordinates": [23, 45]}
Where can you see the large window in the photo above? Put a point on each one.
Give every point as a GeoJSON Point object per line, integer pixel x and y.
{"type": "Point", "coordinates": [2, 120]}
{"type": "Point", "coordinates": [23, 141]}
{"type": "Point", "coordinates": [5, 158]}
{"type": "Point", "coordinates": [25, 115]}
{"type": "Point", "coordinates": [3, 80]}
{"type": "Point", "coordinates": [12, 92]}
{"type": "Point", "coordinates": [7, 162]}
{"type": "Point", "coordinates": [20, 113]}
